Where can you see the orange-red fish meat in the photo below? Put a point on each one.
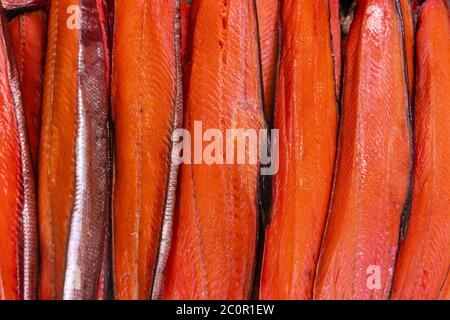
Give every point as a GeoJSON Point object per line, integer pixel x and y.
{"type": "Point", "coordinates": [373, 175]}
{"type": "Point", "coordinates": [269, 35]}
{"type": "Point", "coordinates": [422, 270]}
{"type": "Point", "coordinates": [308, 123]}
{"type": "Point", "coordinates": [28, 33]}
{"type": "Point", "coordinates": [214, 247]}
{"type": "Point", "coordinates": [147, 94]}
{"type": "Point", "coordinates": [75, 155]}
{"type": "Point", "coordinates": [18, 224]}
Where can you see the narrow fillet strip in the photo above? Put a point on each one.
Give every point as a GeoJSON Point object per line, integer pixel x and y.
{"type": "Point", "coordinates": [147, 90]}
{"type": "Point", "coordinates": [422, 270]}
{"type": "Point", "coordinates": [75, 168]}
{"type": "Point", "coordinates": [28, 33]}
{"type": "Point", "coordinates": [306, 115]}
{"type": "Point", "coordinates": [408, 31]}
{"type": "Point", "coordinates": [336, 36]}
{"type": "Point", "coordinates": [374, 160]}
{"type": "Point", "coordinates": [269, 36]}
{"type": "Point", "coordinates": [185, 7]}
{"type": "Point", "coordinates": [214, 246]}
{"type": "Point", "coordinates": [18, 227]}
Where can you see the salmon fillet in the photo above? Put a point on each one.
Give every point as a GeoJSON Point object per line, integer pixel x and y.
{"type": "Point", "coordinates": [373, 175]}
{"type": "Point", "coordinates": [28, 33]}
{"type": "Point", "coordinates": [75, 155]}
{"type": "Point", "coordinates": [147, 94]}
{"type": "Point", "coordinates": [18, 225]}
{"type": "Point", "coordinates": [424, 261]}
{"type": "Point", "coordinates": [308, 123]}
{"type": "Point", "coordinates": [214, 246]}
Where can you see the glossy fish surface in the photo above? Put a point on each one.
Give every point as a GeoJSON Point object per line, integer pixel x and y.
{"type": "Point", "coordinates": [373, 174]}
{"type": "Point", "coordinates": [214, 246]}
{"type": "Point", "coordinates": [422, 269]}
{"type": "Point", "coordinates": [269, 35]}
{"type": "Point", "coordinates": [75, 155]}
{"type": "Point", "coordinates": [28, 33]}
{"type": "Point", "coordinates": [147, 95]}
{"type": "Point", "coordinates": [18, 225]}
{"type": "Point", "coordinates": [306, 114]}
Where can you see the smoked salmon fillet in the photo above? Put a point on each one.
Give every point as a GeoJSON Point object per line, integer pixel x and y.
{"type": "Point", "coordinates": [424, 259]}
{"type": "Point", "coordinates": [214, 247]}
{"type": "Point", "coordinates": [269, 37]}
{"type": "Point", "coordinates": [18, 221]}
{"type": "Point", "coordinates": [374, 167]}
{"type": "Point", "coordinates": [308, 123]}
{"type": "Point", "coordinates": [28, 33]}
{"type": "Point", "coordinates": [75, 155]}
{"type": "Point", "coordinates": [148, 107]}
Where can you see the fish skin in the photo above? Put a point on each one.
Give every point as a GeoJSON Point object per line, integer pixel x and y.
{"type": "Point", "coordinates": [106, 17]}
{"type": "Point", "coordinates": [374, 160]}
{"type": "Point", "coordinates": [18, 225]}
{"type": "Point", "coordinates": [28, 34]}
{"type": "Point", "coordinates": [75, 155]}
{"type": "Point", "coordinates": [424, 260]}
{"type": "Point", "coordinates": [269, 35]}
{"type": "Point", "coordinates": [308, 124]}
{"type": "Point", "coordinates": [147, 95]}
{"type": "Point", "coordinates": [87, 256]}
{"type": "Point", "coordinates": [214, 247]}
{"type": "Point", "coordinates": [335, 24]}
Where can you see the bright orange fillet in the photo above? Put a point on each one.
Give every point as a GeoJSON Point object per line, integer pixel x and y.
{"type": "Point", "coordinates": [307, 116]}
{"type": "Point", "coordinates": [74, 166]}
{"type": "Point", "coordinates": [214, 246]}
{"type": "Point", "coordinates": [28, 32]}
{"type": "Point", "coordinates": [269, 35]}
{"type": "Point", "coordinates": [147, 108]}
{"type": "Point", "coordinates": [56, 195]}
{"type": "Point", "coordinates": [424, 260]}
{"type": "Point", "coordinates": [373, 173]}
{"type": "Point", "coordinates": [18, 240]}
